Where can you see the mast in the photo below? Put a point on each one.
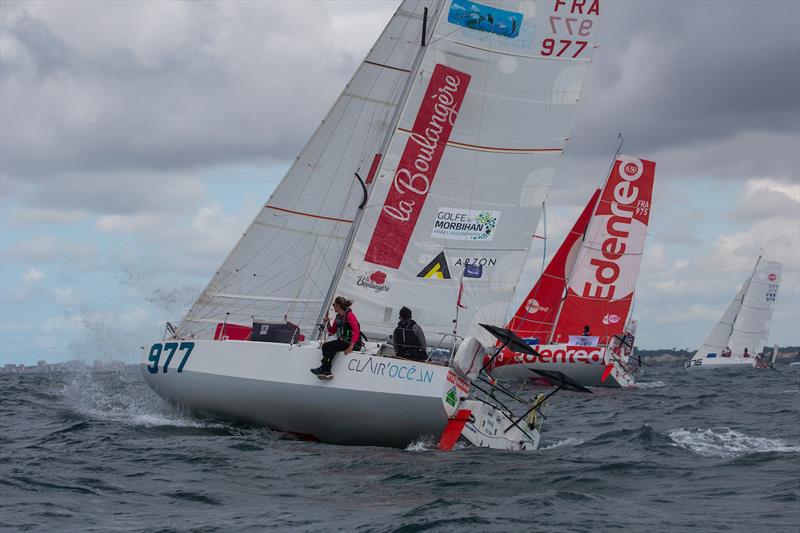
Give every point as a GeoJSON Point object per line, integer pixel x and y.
{"type": "Point", "coordinates": [594, 209]}
{"type": "Point", "coordinates": [384, 145]}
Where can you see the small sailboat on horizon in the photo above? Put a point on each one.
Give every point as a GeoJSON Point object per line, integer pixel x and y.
{"type": "Point", "coordinates": [738, 339]}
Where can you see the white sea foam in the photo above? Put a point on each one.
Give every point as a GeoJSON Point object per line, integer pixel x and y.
{"type": "Point", "coordinates": [725, 442]}
{"type": "Point", "coordinates": [569, 441]}
{"type": "Point", "coordinates": [649, 384]}
{"type": "Point", "coordinates": [120, 400]}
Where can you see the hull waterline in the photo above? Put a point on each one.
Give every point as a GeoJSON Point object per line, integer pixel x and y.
{"type": "Point", "coordinates": [370, 401]}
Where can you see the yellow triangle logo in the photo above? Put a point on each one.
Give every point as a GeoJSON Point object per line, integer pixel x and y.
{"type": "Point", "coordinates": [436, 269]}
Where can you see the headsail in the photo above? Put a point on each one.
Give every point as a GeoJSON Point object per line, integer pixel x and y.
{"type": "Point", "coordinates": [537, 314]}
{"type": "Point", "coordinates": [458, 195]}
{"type": "Point", "coordinates": [600, 288]}
{"type": "Point", "coordinates": [286, 260]}
{"type": "Point", "coordinates": [752, 323]}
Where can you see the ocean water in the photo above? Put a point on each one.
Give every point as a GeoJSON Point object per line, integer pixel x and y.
{"type": "Point", "coordinates": [715, 451]}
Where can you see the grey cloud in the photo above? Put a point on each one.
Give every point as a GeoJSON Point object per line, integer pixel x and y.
{"type": "Point", "coordinates": [235, 84]}
{"type": "Point", "coordinates": [764, 204]}
{"type": "Point", "coordinates": [677, 78]}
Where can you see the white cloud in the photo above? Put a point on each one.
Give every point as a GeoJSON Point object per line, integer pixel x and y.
{"type": "Point", "coordinates": [33, 275]}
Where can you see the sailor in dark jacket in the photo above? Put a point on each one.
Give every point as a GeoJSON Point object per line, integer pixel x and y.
{"type": "Point", "coordinates": [408, 338]}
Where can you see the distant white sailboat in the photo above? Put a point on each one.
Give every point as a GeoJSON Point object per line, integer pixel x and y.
{"type": "Point", "coordinates": [456, 119]}
{"type": "Point", "coordinates": [739, 337]}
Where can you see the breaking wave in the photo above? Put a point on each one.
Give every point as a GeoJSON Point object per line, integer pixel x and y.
{"type": "Point", "coordinates": [569, 441]}
{"type": "Point", "coordinates": [649, 385]}
{"type": "Point", "coordinates": [725, 442]}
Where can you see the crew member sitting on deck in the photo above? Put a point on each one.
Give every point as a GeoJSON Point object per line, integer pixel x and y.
{"type": "Point", "coordinates": [408, 338]}
{"type": "Point", "coordinates": [745, 354]}
{"type": "Point", "coordinates": [348, 336]}
{"type": "Point", "coordinates": [726, 352]}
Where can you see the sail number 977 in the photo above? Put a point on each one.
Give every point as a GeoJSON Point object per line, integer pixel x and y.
{"type": "Point", "coordinates": [168, 349]}
{"type": "Point", "coordinates": [563, 46]}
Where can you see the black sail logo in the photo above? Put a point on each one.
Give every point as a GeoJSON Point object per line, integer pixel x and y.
{"type": "Point", "coordinates": [436, 269]}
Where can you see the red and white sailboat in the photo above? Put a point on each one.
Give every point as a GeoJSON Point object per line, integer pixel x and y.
{"type": "Point", "coordinates": [589, 283]}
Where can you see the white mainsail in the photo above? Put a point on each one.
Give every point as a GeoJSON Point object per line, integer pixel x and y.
{"type": "Point", "coordinates": [287, 258]}
{"type": "Point", "coordinates": [467, 169]}
{"type": "Point", "coordinates": [745, 324]}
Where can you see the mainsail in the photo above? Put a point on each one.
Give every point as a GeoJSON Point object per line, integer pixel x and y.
{"type": "Point", "coordinates": [537, 314]}
{"type": "Point", "coordinates": [287, 258]}
{"type": "Point", "coordinates": [601, 285]}
{"type": "Point", "coordinates": [744, 325]}
{"type": "Point", "coordinates": [458, 195]}
{"type": "Point", "coordinates": [457, 140]}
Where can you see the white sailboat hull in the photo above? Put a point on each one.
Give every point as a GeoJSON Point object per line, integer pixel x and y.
{"type": "Point", "coordinates": [719, 362]}
{"type": "Point", "coordinates": [370, 401]}
{"type": "Point", "coordinates": [586, 365]}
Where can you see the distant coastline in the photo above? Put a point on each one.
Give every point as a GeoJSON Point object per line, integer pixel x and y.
{"type": "Point", "coordinates": [658, 357]}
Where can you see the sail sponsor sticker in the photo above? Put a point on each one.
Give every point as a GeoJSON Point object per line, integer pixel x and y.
{"type": "Point", "coordinates": [475, 225]}
{"type": "Point", "coordinates": [439, 266]}
{"type": "Point", "coordinates": [772, 276]}
{"type": "Point", "coordinates": [479, 17]}
{"type": "Point", "coordinates": [555, 355]}
{"type": "Point", "coordinates": [532, 306]}
{"type": "Point", "coordinates": [416, 171]}
{"type": "Point", "coordinates": [376, 281]}
{"type": "Point", "coordinates": [611, 318]}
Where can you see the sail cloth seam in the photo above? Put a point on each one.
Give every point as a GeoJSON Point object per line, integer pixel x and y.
{"type": "Point", "coordinates": [480, 148]}
{"type": "Point", "coordinates": [368, 62]}
{"type": "Point", "coordinates": [265, 298]}
{"type": "Point", "coordinates": [293, 212]}
{"type": "Point", "coordinates": [367, 99]}
{"type": "Point", "coordinates": [587, 59]}
{"type": "Point", "coordinates": [301, 231]}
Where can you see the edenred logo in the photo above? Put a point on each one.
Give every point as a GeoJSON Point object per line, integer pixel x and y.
{"type": "Point", "coordinates": [772, 277]}
{"type": "Point", "coordinates": [532, 306]}
{"type": "Point", "coordinates": [623, 207]}
{"type": "Point", "coordinates": [611, 319]}
{"type": "Point", "coordinates": [568, 354]}
{"type": "Point", "coordinates": [417, 168]}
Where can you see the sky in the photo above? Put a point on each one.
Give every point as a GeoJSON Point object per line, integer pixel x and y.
{"type": "Point", "coordinates": [139, 139]}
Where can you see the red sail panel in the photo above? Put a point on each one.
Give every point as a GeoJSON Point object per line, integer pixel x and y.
{"type": "Point", "coordinates": [601, 285]}
{"type": "Point", "coordinates": [423, 151]}
{"type": "Point", "coordinates": [537, 313]}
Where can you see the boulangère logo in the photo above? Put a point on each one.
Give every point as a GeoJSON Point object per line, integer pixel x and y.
{"type": "Point", "coordinates": [416, 171]}
{"type": "Point", "coordinates": [375, 281]}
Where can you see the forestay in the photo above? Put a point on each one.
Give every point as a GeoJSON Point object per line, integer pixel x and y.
{"type": "Point", "coordinates": [458, 195]}
{"type": "Point", "coordinates": [286, 260]}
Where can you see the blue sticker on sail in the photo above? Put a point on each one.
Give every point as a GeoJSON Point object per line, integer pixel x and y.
{"type": "Point", "coordinates": [479, 17]}
{"type": "Point", "coordinates": [473, 271]}
{"type": "Point", "coordinates": [711, 355]}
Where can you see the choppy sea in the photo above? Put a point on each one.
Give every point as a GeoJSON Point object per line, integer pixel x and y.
{"type": "Point", "coordinates": [708, 451]}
